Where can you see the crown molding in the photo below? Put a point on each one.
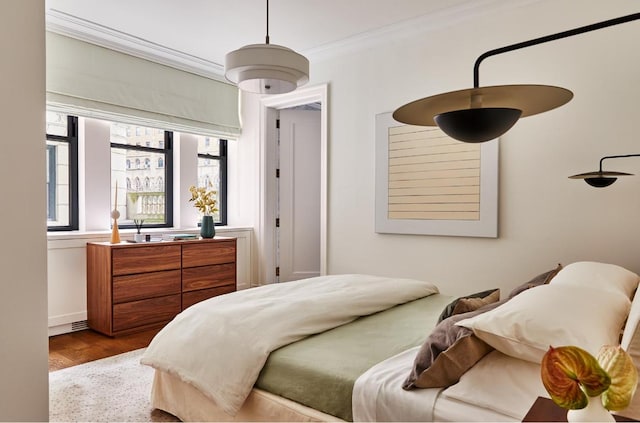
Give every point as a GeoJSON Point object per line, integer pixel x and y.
{"type": "Point", "coordinates": [92, 32]}
{"type": "Point", "coordinates": [84, 30]}
{"type": "Point", "coordinates": [415, 26]}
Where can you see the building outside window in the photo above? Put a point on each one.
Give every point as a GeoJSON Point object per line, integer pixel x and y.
{"type": "Point", "coordinates": [62, 171]}
{"type": "Point", "coordinates": [212, 171]}
{"type": "Point", "coordinates": [150, 196]}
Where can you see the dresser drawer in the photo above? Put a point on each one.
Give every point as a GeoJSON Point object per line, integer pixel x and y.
{"type": "Point", "coordinates": [145, 285]}
{"type": "Point", "coordinates": [208, 276]}
{"type": "Point", "coordinates": [145, 312]}
{"type": "Point", "coordinates": [203, 254]}
{"type": "Point", "coordinates": [190, 298]}
{"type": "Point", "coordinates": [131, 260]}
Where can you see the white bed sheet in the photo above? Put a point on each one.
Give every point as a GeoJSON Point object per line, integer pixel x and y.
{"type": "Point", "coordinates": [378, 395]}
{"type": "Point", "coordinates": [497, 388]}
{"type": "Point", "coordinates": [451, 410]}
{"type": "Point", "coordinates": [506, 385]}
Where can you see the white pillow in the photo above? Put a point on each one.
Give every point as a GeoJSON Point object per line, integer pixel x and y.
{"type": "Point", "coordinates": [500, 383]}
{"type": "Point", "coordinates": [604, 276]}
{"type": "Point", "coordinates": [632, 323]}
{"type": "Point", "coordinates": [552, 315]}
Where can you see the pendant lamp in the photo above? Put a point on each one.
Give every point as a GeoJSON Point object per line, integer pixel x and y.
{"type": "Point", "coordinates": [266, 68]}
{"type": "Point", "coordinates": [600, 178]}
{"type": "Point", "coordinates": [481, 114]}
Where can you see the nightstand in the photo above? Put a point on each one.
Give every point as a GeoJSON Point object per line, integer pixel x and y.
{"type": "Point", "coordinates": [545, 410]}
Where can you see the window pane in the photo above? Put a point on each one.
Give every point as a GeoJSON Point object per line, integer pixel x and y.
{"type": "Point", "coordinates": [136, 135]}
{"type": "Point", "coordinates": [141, 186]}
{"type": "Point", "coordinates": [208, 145]}
{"type": "Point", "coordinates": [58, 190]}
{"type": "Point", "coordinates": [140, 174]}
{"type": "Point", "coordinates": [209, 177]}
{"type": "Point", "coordinates": [56, 124]}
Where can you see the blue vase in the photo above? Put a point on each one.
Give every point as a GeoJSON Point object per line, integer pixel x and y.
{"type": "Point", "coordinates": [207, 229]}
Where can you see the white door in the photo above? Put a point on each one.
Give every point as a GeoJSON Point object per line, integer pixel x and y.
{"type": "Point", "coordinates": [299, 195]}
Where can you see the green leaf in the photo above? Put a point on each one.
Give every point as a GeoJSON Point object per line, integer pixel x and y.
{"type": "Point", "coordinates": [624, 377]}
{"type": "Point", "coordinates": [571, 375]}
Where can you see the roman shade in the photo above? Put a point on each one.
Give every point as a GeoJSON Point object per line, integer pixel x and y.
{"type": "Point", "coordinates": [93, 81]}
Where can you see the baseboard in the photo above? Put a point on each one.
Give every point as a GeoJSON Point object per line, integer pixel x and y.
{"type": "Point", "coordinates": [67, 323]}
{"type": "Point", "coordinates": [68, 328]}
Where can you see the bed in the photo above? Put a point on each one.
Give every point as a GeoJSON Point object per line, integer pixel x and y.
{"type": "Point", "coordinates": [368, 348]}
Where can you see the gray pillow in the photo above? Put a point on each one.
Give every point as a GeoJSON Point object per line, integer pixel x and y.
{"type": "Point", "coordinates": [448, 353]}
{"type": "Point", "coordinates": [449, 309]}
{"type": "Point", "coordinates": [541, 279]}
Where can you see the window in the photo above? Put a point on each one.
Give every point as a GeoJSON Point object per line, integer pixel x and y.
{"type": "Point", "coordinates": [212, 172]}
{"type": "Point", "coordinates": [160, 162]}
{"type": "Point", "coordinates": [62, 172]}
{"type": "Point", "coordinates": [145, 198]}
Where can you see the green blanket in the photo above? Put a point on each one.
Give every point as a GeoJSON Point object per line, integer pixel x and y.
{"type": "Point", "coordinates": [320, 371]}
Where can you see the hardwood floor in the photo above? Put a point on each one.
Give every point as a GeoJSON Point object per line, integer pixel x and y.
{"type": "Point", "coordinates": [75, 348]}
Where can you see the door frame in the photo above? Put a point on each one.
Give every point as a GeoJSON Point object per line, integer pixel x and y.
{"type": "Point", "coordinates": [266, 230]}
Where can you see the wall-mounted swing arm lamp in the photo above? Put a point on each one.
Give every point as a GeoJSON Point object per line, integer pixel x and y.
{"type": "Point", "coordinates": [481, 114]}
{"type": "Point", "coordinates": [600, 178]}
{"type": "Point", "coordinates": [266, 68]}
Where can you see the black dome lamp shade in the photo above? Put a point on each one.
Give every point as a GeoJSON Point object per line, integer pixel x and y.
{"type": "Point", "coordinates": [481, 114]}
{"type": "Point", "coordinates": [600, 178]}
{"type": "Point", "coordinates": [477, 125]}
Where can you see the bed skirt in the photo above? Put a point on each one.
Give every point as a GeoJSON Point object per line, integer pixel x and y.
{"type": "Point", "coordinates": [174, 396]}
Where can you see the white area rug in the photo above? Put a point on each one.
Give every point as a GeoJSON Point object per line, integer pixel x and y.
{"type": "Point", "coordinates": [114, 389]}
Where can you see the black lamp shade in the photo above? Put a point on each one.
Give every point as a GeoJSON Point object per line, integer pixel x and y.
{"type": "Point", "coordinates": [600, 181]}
{"type": "Point", "coordinates": [600, 178]}
{"type": "Point", "coordinates": [479, 124]}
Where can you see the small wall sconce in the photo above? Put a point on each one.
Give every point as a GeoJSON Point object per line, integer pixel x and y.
{"type": "Point", "coordinates": [600, 178]}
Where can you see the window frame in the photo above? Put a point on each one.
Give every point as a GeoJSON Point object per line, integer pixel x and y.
{"type": "Point", "coordinates": [72, 140]}
{"type": "Point", "coordinates": [222, 160]}
{"type": "Point", "coordinates": [52, 179]}
{"type": "Point", "coordinates": [167, 150]}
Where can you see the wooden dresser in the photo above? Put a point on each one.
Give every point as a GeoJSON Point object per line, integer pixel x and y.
{"type": "Point", "coordinates": [137, 286]}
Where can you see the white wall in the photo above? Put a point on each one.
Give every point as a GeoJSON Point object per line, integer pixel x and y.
{"type": "Point", "coordinates": [544, 218]}
{"type": "Point", "coordinates": [244, 175]}
{"type": "Point", "coordinates": [23, 283]}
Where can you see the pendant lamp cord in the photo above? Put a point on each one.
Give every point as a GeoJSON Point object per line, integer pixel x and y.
{"type": "Point", "coordinates": [547, 38]}
{"type": "Point", "coordinates": [616, 157]}
{"type": "Point", "coordinates": [267, 37]}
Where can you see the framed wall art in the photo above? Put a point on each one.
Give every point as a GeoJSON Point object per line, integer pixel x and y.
{"type": "Point", "coordinates": [427, 183]}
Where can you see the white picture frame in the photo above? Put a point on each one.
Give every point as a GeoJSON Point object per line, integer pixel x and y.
{"type": "Point", "coordinates": [477, 217]}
